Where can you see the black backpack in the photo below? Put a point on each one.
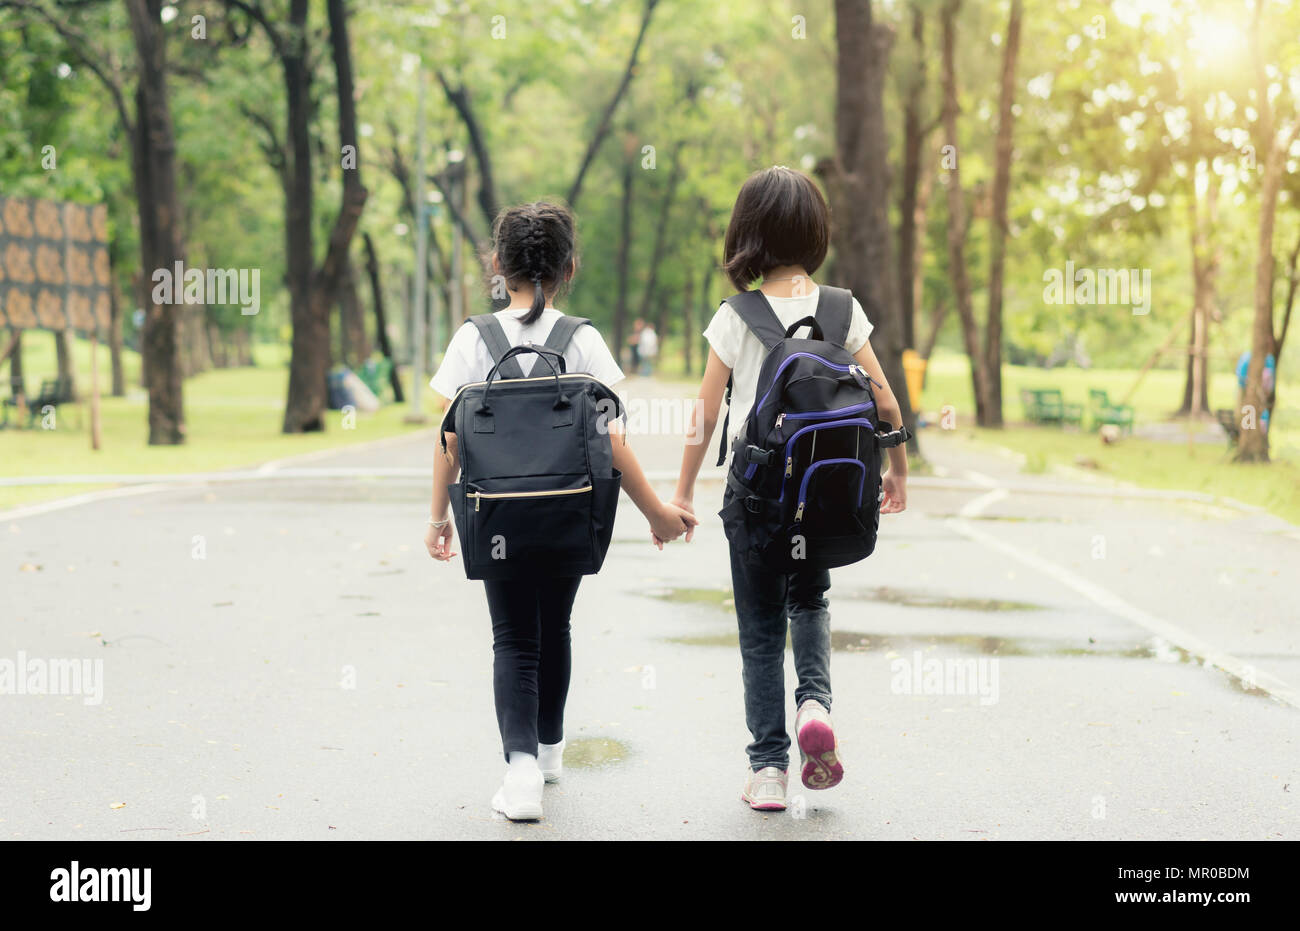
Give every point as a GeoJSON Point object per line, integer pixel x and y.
{"type": "Point", "coordinates": [805, 474]}
{"type": "Point", "coordinates": [538, 489]}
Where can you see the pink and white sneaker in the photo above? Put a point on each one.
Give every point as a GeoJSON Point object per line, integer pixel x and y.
{"type": "Point", "coordinates": [817, 746]}
{"type": "Point", "coordinates": [765, 789]}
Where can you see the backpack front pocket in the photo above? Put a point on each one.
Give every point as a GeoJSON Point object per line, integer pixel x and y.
{"type": "Point", "coordinates": [830, 496]}
{"type": "Point", "coordinates": [521, 527]}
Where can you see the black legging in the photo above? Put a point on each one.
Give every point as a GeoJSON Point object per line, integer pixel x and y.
{"type": "Point", "coordinates": [531, 658]}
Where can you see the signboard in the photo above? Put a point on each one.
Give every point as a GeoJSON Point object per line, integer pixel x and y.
{"type": "Point", "coordinates": [54, 270]}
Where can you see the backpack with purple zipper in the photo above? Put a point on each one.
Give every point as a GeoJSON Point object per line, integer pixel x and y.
{"type": "Point", "coordinates": [805, 474]}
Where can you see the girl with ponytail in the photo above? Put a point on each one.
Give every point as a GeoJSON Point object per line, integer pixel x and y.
{"type": "Point", "coordinates": [534, 258]}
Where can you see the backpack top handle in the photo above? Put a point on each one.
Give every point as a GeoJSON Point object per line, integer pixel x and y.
{"type": "Point", "coordinates": [554, 361]}
{"type": "Point", "coordinates": [811, 323]}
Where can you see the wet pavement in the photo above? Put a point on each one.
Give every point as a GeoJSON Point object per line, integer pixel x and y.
{"type": "Point", "coordinates": [281, 659]}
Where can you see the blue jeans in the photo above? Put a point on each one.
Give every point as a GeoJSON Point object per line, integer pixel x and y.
{"type": "Point", "coordinates": [764, 601]}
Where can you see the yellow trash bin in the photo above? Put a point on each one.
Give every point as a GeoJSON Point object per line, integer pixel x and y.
{"type": "Point", "coordinates": [914, 372]}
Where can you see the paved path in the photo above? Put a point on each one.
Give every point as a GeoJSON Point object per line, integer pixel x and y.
{"type": "Point", "coordinates": [225, 712]}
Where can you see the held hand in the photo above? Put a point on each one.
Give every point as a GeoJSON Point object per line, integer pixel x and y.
{"type": "Point", "coordinates": [437, 540]}
{"type": "Point", "coordinates": [895, 487]}
{"type": "Point", "coordinates": [670, 522]}
{"type": "Point", "coordinates": [687, 505]}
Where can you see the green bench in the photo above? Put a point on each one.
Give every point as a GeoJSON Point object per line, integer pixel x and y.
{"type": "Point", "coordinates": [1104, 412]}
{"type": "Point", "coordinates": [1047, 406]}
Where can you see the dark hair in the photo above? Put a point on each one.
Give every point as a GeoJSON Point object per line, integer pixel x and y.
{"type": "Point", "coordinates": [780, 218]}
{"type": "Point", "coordinates": [535, 242]}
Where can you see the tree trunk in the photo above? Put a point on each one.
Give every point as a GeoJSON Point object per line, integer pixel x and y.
{"type": "Point", "coordinates": [624, 247]}
{"type": "Point", "coordinates": [115, 338]}
{"type": "Point", "coordinates": [857, 180]}
{"type": "Point", "coordinates": [314, 290]}
{"type": "Point", "coordinates": [381, 319]}
{"type": "Point", "coordinates": [936, 326]}
{"type": "Point", "coordinates": [1202, 224]}
{"type": "Point", "coordinates": [67, 368]}
{"type": "Point", "coordinates": [998, 218]}
{"type": "Point", "coordinates": [310, 350]}
{"type": "Point", "coordinates": [957, 220]}
{"type": "Point", "coordinates": [154, 170]}
{"type": "Point", "coordinates": [354, 344]}
{"type": "Point", "coordinates": [16, 363]}
{"type": "Point", "coordinates": [914, 133]}
{"type": "Point", "coordinates": [688, 322]}
{"type": "Point", "coordinates": [196, 346]}
{"type": "Point", "coordinates": [1253, 445]}
{"type": "Point", "coordinates": [661, 240]}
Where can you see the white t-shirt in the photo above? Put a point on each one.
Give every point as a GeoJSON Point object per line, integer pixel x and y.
{"type": "Point", "coordinates": [648, 343]}
{"type": "Point", "coordinates": [742, 352]}
{"type": "Point", "coordinates": [467, 358]}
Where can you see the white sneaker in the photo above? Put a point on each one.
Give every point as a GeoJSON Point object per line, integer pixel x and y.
{"type": "Point", "coordinates": [818, 747]}
{"type": "Point", "coordinates": [520, 795]}
{"type": "Point", "coordinates": [550, 757]}
{"type": "Point", "coordinates": [765, 789]}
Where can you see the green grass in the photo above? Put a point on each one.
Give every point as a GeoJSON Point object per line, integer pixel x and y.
{"type": "Point", "coordinates": [233, 419]}
{"type": "Point", "coordinates": [1149, 463]}
{"type": "Point", "coordinates": [1152, 464]}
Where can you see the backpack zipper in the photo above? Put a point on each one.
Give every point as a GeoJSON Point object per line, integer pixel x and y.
{"type": "Point", "coordinates": [807, 476]}
{"type": "Point", "coordinates": [790, 358]}
{"type": "Point", "coordinates": [478, 496]}
{"type": "Point", "coordinates": [838, 412]}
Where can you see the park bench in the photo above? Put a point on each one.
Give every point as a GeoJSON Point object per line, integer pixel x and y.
{"type": "Point", "coordinates": [17, 400]}
{"type": "Point", "coordinates": [1104, 412]}
{"type": "Point", "coordinates": [1228, 421]}
{"type": "Point", "coordinates": [54, 391]}
{"type": "Point", "coordinates": [1047, 406]}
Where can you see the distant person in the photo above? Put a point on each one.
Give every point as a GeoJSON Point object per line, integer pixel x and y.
{"type": "Point", "coordinates": [1269, 381]}
{"type": "Point", "coordinates": [779, 231]}
{"type": "Point", "coordinates": [648, 345]}
{"type": "Point", "coordinates": [534, 250]}
{"type": "Point", "coordinates": [634, 345]}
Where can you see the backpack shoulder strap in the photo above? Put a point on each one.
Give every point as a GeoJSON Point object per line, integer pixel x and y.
{"type": "Point", "coordinates": [494, 337]}
{"type": "Point", "coordinates": [753, 308]}
{"type": "Point", "coordinates": [834, 313]}
{"type": "Point", "coordinates": [562, 332]}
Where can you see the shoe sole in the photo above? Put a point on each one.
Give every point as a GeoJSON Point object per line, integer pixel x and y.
{"type": "Point", "coordinates": [821, 764]}
{"type": "Point", "coordinates": [551, 775]}
{"type": "Point", "coordinates": [762, 806]}
{"type": "Point", "coordinates": [518, 813]}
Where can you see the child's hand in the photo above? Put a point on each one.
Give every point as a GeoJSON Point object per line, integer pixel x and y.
{"type": "Point", "coordinates": [895, 488]}
{"type": "Point", "coordinates": [669, 522]}
{"type": "Point", "coordinates": [687, 505]}
{"type": "Point", "coordinates": [437, 540]}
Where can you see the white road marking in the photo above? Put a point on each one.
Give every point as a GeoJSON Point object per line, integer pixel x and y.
{"type": "Point", "coordinates": [1109, 601]}
{"type": "Point", "coordinates": [72, 501]}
